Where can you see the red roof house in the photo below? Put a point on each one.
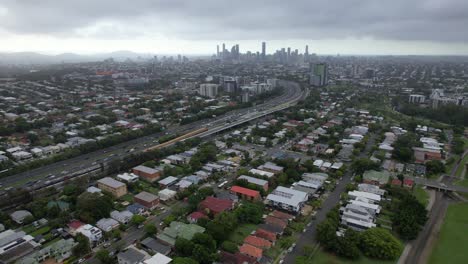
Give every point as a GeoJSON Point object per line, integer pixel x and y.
{"type": "Point", "coordinates": [408, 183]}
{"type": "Point", "coordinates": [193, 217]}
{"type": "Point", "coordinates": [251, 251]}
{"type": "Point", "coordinates": [245, 193]}
{"type": "Point", "coordinates": [281, 215]}
{"type": "Point", "coordinates": [270, 236]}
{"type": "Point", "coordinates": [215, 205]}
{"type": "Point", "coordinates": [257, 242]}
{"type": "Point", "coordinates": [276, 221]}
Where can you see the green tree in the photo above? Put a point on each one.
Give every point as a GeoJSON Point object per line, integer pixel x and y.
{"type": "Point", "coordinates": [184, 247]}
{"type": "Point", "coordinates": [151, 229]}
{"type": "Point", "coordinates": [93, 206]}
{"type": "Point", "coordinates": [137, 219]}
{"type": "Point", "coordinates": [380, 244]}
{"type": "Point", "coordinates": [83, 247]}
{"type": "Point", "coordinates": [179, 260]}
{"type": "Point", "coordinates": [103, 256]}
{"type": "Point", "coordinates": [229, 246]}
{"type": "Point", "coordinates": [434, 167]}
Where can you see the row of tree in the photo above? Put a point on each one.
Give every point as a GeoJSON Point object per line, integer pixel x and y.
{"type": "Point", "coordinates": [375, 243]}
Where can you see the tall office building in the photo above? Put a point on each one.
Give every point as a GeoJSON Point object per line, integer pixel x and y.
{"type": "Point", "coordinates": [208, 89]}
{"type": "Point", "coordinates": [223, 52]}
{"type": "Point", "coordinates": [263, 50]}
{"type": "Point", "coordinates": [318, 74]}
{"type": "Point", "coordinates": [217, 51]}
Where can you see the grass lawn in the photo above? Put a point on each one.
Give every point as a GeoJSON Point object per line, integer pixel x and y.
{"type": "Point", "coordinates": [451, 244]}
{"type": "Point", "coordinates": [322, 257]}
{"type": "Point", "coordinates": [464, 181]}
{"type": "Point", "coordinates": [28, 229]}
{"type": "Point", "coordinates": [460, 168]}
{"type": "Point", "coordinates": [40, 231]}
{"type": "Point", "coordinates": [421, 195]}
{"type": "Point", "coordinates": [241, 233]}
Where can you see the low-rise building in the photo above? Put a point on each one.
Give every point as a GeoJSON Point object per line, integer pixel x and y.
{"type": "Point", "coordinates": [20, 215]}
{"type": "Point", "coordinates": [166, 195]}
{"type": "Point", "coordinates": [147, 199]}
{"type": "Point", "coordinates": [215, 205]}
{"type": "Point", "coordinates": [246, 193]}
{"type": "Point", "coordinates": [122, 217]}
{"type": "Point", "coordinates": [147, 173]}
{"type": "Point", "coordinates": [378, 178]}
{"type": "Point", "coordinates": [127, 177]}
{"type": "Point", "coordinates": [168, 181]}
{"type": "Point", "coordinates": [116, 188]}
{"type": "Point", "coordinates": [107, 224]}
{"type": "Point", "coordinates": [256, 181]}
{"type": "Point", "coordinates": [287, 199]}
{"type": "Point", "coordinates": [94, 234]}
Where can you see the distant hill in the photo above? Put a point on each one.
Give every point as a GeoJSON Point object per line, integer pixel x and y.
{"type": "Point", "coordinates": [37, 58]}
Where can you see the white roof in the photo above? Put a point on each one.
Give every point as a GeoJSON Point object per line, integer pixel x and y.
{"type": "Point", "coordinates": [287, 196]}
{"type": "Point", "coordinates": [253, 180]}
{"type": "Point", "coordinates": [158, 259]}
{"type": "Point", "coordinates": [367, 195]}
{"type": "Point", "coordinates": [374, 207]}
{"type": "Point", "coordinates": [262, 173]}
{"type": "Point", "coordinates": [168, 180]}
{"type": "Point", "coordinates": [318, 163]}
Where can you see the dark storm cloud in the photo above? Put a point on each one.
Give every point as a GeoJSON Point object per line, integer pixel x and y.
{"type": "Point", "coordinates": [427, 20]}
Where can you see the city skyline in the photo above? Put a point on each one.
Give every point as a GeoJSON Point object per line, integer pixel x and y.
{"type": "Point", "coordinates": [419, 27]}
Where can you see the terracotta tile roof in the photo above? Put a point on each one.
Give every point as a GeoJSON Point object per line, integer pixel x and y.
{"type": "Point", "coordinates": [270, 236]}
{"type": "Point", "coordinates": [257, 242]}
{"type": "Point", "coordinates": [75, 224]}
{"type": "Point", "coordinates": [245, 191]}
{"type": "Point", "coordinates": [250, 250]}
{"type": "Point", "coordinates": [197, 215]}
{"type": "Point", "coordinates": [281, 215]}
{"type": "Point", "coordinates": [276, 221]}
{"type": "Point", "coordinates": [216, 205]}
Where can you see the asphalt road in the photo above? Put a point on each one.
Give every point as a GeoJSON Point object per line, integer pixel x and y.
{"type": "Point", "coordinates": [131, 235]}
{"type": "Point", "coordinates": [308, 237]}
{"type": "Point", "coordinates": [120, 151]}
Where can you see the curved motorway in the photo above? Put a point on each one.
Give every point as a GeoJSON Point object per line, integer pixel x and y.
{"type": "Point", "coordinates": [61, 169]}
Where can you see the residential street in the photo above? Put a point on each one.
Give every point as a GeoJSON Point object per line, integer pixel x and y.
{"type": "Point", "coordinates": [308, 237]}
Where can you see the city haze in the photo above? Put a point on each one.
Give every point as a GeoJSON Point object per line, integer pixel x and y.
{"type": "Point", "coordinates": [417, 27]}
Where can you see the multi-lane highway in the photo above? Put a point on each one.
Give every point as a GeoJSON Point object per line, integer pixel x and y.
{"type": "Point", "coordinates": [59, 170]}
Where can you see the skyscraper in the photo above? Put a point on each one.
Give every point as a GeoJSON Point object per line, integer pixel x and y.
{"type": "Point", "coordinates": [318, 74]}
{"type": "Point", "coordinates": [217, 51]}
{"type": "Point", "coordinates": [223, 52]}
{"type": "Point", "coordinates": [263, 50]}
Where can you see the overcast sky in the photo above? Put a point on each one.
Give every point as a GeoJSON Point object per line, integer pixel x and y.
{"type": "Point", "coordinates": [196, 26]}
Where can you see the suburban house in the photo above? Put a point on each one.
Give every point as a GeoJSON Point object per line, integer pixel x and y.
{"type": "Point", "coordinates": [153, 246]}
{"type": "Point", "coordinates": [271, 167]}
{"type": "Point", "coordinates": [193, 217]}
{"type": "Point", "coordinates": [178, 229]}
{"type": "Point", "coordinates": [256, 181]}
{"type": "Point", "coordinates": [20, 215]}
{"type": "Point", "coordinates": [116, 188]}
{"type": "Point", "coordinates": [147, 199]}
{"type": "Point", "coordinates": [107, 224]}
{"type": "Point", "coordinates": [287, 199]}
{"type": "Point", "coordinates": [147, 173]}
{"type": "Point", "coordinates": [251, 251]}
{"type": "Point", "coordinates": [378, 178]}
{"type": "Point", "coordinates": [122, 217]}
{"type": "Point", "coordinates": [166, 194]}
{"type": "Point", "coordinates": [167, 182]}
{"type": "Point", "coordinates": [127, 177]}
{"type": "Point", "coordinates": [215, 205]}
{"type": "Point", "coordinates": [245, 193]}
